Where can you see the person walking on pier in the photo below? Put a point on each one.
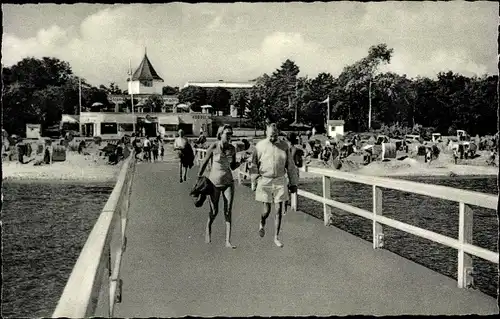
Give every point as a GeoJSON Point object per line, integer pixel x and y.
{"type": "Point", "coordinates": [297, 155]}
{"type": "Point", "coordinates": [155, 148]}
{"type": "Point", "coordinates": [223, 155]}
{"type": "Point", "coordinates": [185, 153]}
{"type": "Point", "coordinates": [146, 146]}
{"type": "Point", "coordinates": [161, 147]}
{"type": "Point", "coordinates": [271, 162]}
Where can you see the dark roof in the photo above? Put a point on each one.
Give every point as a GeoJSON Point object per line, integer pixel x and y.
{"type": "Point", "coordinates": [145, 71]}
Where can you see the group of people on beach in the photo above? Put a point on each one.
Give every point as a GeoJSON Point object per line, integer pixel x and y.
{"type": "Point", "coordinates": [273, 170]}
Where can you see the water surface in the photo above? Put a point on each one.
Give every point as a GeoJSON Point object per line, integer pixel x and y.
{"type": "Point", "coordinates": [45, 226]}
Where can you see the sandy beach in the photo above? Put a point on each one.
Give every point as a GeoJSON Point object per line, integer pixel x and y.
{"type": "Point", "coordinates": [443, 166]}
{"type": "Point", "coordinates": [93, 168]}
{"type": "Point", "coordinates": [76, 167]}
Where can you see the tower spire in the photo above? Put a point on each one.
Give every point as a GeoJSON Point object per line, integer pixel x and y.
{"type": "Point", "coordinates": [145, 50]}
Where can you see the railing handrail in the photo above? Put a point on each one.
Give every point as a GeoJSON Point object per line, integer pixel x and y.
{"type": "Point", "coordinates": [464, 197]}
{"type": "Point", "coordinates": [80, 295]}
{"type": "Point", "coordinates": [431, 190]}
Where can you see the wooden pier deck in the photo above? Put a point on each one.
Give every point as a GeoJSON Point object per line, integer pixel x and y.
{"type": "Point", "coordinates": [168, 270]}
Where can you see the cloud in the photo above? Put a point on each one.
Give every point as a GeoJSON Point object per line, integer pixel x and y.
{"type": "Point", "coordinates": [242, 41]}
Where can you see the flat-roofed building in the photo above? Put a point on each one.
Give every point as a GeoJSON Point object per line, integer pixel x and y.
{"type": "Point", "coordinates": [226, 85]}
{"type": "Point", "coordinates": [232, 87]}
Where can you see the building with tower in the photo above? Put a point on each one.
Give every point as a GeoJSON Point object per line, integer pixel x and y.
{"type": "Point", "coordinates": [145, 80]}
{"type": "Point", "coordinates": [144, 84]}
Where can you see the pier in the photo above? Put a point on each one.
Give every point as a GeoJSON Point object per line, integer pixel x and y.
{"type": "Point", "coordinates": [146, 256]}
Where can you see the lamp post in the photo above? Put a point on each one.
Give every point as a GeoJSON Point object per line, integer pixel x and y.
{"type": "Point", "coordinates": [369, 103]}
{"type": "Point", "coordinates": [255, 123]}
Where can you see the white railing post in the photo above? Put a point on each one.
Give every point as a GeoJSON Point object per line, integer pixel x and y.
{"type": "Point", "coordinates": [198, 157]}
{"type": "Point", "coordinates": [327, 210]}
{"type": "Point", "coordinates": [465, 267]}
{"type": "Point", "coordinates": [110, 274]}
{"type": "Point", "coordinates": [293, 201]}
{"type": "Point", "coordinates": [378, 232]}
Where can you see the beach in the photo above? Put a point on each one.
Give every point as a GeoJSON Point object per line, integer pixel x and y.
{"type": "Point", "coordinates": [442, 166]}
{"type": "Point", "coordinates": [76, 167]}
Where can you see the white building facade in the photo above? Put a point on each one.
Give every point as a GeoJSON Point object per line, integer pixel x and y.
{"type": "Point", "coordinates": [232, 87]}
{"type": "Point", "coordinates": [335, 128]}
{"type": "Point", "coordinates": [144, 83]}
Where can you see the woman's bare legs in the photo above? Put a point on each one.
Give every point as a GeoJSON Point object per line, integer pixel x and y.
{"type": "Point", "coordinates": [180, 171]}
{"type": "Point", "coordinates": [185, 172]}
{"type": "Point", "coordinates": [227, 197]}
{"type": "Point", "coordinates": [213, 200]}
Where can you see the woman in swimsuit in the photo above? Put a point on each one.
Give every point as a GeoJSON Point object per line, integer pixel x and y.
{"type": "Point", "coordinates": [223, 155]}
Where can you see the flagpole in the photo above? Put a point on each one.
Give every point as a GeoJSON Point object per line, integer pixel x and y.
{"type": "Point", "coordinates": [80, 96]}
{"type": "Point", "coordinates": [296, 99]}
{"type": "Point", "coordinates": [80, 105]}
{"type": "Point", "coordinates": [131, 94]}
{"type": "Point", "coordinates": [328, 106]}
{"type": "Point", "coordinates": [327, 115]}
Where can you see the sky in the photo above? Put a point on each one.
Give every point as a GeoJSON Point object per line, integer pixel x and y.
{"type": "Point", "coordinates": [241, 41]}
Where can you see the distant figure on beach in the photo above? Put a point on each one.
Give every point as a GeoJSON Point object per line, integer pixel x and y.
{"type": "Point", "coordinates": [20, 150]}
{"type": "Point", "coordinates": [308, 135]}
{"type": "Point", "coordinates": [185, 154]}
{"type": "Point", "coordinates": [491, 159]}
{"type": "Point", "coordinates": [223, 156]}
{"type": "Point", "coordinates": [271, 162]}
{"type": "Point", "coordinates": [81, 146]}
{"type": "Point", "coordinates": [455, 155]}
{"type": "Point", "coordinates": [428, 155]}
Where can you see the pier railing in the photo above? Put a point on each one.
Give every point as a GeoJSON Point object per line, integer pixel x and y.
{"type": "Point", "coordinates": [464, 199]}
{"type": "Point", "coordinates": [101, 256]}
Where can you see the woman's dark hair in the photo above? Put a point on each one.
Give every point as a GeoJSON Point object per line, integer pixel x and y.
{"type": "Point", "coordinates": [292, 138]}
{"type": "Point", "coordinates": [222, 129]}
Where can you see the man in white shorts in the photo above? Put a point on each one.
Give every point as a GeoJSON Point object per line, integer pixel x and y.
{"type": "Point", "coordinates": [271, 162]}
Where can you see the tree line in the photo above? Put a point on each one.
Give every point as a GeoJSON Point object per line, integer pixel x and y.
{"type": "Point", "coordinates": [451, 101]}
{"type": "Point", "coordinates": [41, 90]}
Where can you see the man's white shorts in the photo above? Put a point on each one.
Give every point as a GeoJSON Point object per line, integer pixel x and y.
{"type": "Point", "coordinates": [272, 190]}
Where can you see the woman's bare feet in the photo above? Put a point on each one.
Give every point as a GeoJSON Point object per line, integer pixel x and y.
{"type": "Point", "coordinates": [229, 245]}
{"type": "Point", "coordinates": [262, 231]}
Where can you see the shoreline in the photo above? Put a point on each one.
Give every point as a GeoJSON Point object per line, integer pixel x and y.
{"type": "Point", "coordinates": [82, 170]}
{"type": "Point", "coordinates": [77, 171]}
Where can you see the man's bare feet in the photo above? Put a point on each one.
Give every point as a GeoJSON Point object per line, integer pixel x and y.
{"type": "Point", "coordinates": [229, 245]}
{"type": "Point", "coordinates": [262, 231]}
{"type": "Point", "coordinates": [278, 242]}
